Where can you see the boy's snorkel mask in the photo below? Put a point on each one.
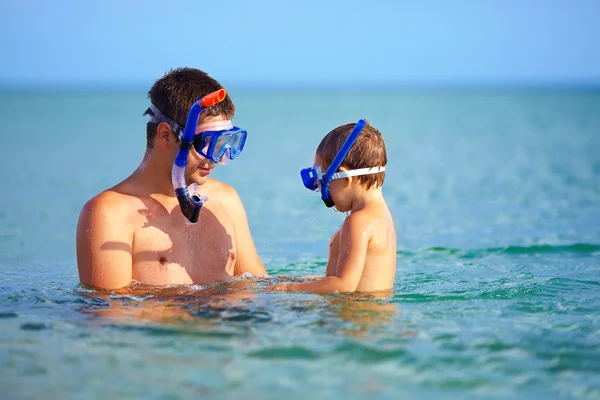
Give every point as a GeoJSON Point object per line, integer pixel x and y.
{"type": "Point", "coordinates": [312, 176]}
{"type": "Point", "coordinates": [218, 142]}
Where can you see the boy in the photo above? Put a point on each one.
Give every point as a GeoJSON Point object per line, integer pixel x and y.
{"type": "Point", "coordinates": [362, 253]}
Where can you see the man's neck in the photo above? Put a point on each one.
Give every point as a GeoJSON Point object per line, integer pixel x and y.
{"type": "Point", "coordinates": [154, 176]}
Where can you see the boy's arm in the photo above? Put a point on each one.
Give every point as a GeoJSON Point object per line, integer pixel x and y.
{"type": "Point", "coordinates": [353, 244]}
{"type": "Point", "coordinates": [334, 251]}
{"type": "Point", "coordinates": [104, 243]}
{"type": "Point", "coordinates": [247, 259]}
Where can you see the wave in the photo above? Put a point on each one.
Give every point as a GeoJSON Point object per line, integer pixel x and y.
{"type": "Point", "coordinates": [576, 248]}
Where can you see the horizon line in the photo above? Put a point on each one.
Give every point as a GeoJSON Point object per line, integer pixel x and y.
{"type": "Point", "coordinates": [114, 86]}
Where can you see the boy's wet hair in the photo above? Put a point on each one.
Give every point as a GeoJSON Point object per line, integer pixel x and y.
{"type": "Point", "coordinates": [368, 151]}
{"type": "Point", "coordinates": [177, 90]}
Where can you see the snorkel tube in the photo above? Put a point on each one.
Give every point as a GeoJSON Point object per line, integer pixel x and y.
{"type": "Point", "coordinates": [191, 203]}
{"type": "Point", "coordinates": [337, 161]}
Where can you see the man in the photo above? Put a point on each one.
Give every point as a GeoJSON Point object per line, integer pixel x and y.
{"type": "Point", "coordinates": [136, 230]}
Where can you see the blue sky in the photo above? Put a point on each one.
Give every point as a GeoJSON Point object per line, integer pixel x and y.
{"type": "Point", "coordinates": [311, 42]}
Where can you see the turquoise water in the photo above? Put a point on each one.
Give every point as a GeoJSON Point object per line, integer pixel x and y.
{"type": "Point", "coordinates": [496, 198]}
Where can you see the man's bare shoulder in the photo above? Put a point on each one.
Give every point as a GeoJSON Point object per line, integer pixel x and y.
{"type": "Point", "coordinates": [218, 187]}
{"type": "Point", "coordinates": [225, 193]}
{"type": "Point", "coordinates": [109, 203]}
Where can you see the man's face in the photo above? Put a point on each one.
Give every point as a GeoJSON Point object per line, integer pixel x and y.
{"type": "Point", "coordinates": [198, 167]}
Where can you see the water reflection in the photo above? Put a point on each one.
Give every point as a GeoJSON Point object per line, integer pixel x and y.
{"type": "Point", "coordinates": [168, 305]}
{"type": "Point", "coordinates": [364, 311]}
{"type": "Point", "coordinates": [240, 302]}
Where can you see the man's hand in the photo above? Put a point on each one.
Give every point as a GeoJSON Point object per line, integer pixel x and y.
{"type": "Point", "coordinates": [279, 287]}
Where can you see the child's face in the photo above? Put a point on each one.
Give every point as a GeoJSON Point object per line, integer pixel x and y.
{"type": "Point", "coordinates": [337, 189]}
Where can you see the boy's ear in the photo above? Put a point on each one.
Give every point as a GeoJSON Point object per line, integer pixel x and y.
{"type": "Point", "coordinates": [348, 180]}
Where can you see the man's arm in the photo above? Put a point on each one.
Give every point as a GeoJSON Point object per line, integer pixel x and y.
{"type": "Point", "coordinates": [104, 243]}
{"type": "Point", "coordinates": [353, 244]}
{"type": "Point", "coordinates": [247, 259]}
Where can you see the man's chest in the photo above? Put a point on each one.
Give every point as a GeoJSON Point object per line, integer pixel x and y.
{"type": "Point", "coordinates": [166, 250]}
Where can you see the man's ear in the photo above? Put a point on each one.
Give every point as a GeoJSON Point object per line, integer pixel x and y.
{"type": "Point", "coordinates": [165, 137]}
{"type": "Point", "coordinates": [348, 180]}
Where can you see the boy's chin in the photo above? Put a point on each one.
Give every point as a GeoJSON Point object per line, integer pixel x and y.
{"type": "Point", "coordinates": [341, 209]}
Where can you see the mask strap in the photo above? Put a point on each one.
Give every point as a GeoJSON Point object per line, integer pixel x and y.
{"type": "Point", "coordinates": [157, 117]}
{"type": "Point", "coordinates": [357, 172]}
{"type": "Point", "coordinates": [214, 126]}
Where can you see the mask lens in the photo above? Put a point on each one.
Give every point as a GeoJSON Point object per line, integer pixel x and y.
{"type": "Point", "coordinates": [237, 139]}
{"type": "Point", "coordinates": [224, 160]}
{"type": "Point", "coordinates": [222, 143]}
{"type": "Point", "coordinates": [216, 145]}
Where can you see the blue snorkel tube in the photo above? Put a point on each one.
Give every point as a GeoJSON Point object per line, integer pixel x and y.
{"type": "Point", "coordinates": [337, 161]}
{"type": "Point", "coordinates": [191, 204]}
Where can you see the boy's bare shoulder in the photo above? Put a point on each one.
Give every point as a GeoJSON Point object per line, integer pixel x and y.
{"type": "Point", "coordinates": [369, 219]}
{"type": "Point", "coordinates": [368, 214]}
{"type": "Point", "coordinates": [357, 223]}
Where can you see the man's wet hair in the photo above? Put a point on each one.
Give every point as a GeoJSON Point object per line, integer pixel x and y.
{"type": "Point", "coordinates": [176, 91]}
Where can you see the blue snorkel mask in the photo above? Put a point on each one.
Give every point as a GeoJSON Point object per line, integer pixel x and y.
{"type": "Point", "coordinates": [216, 142]}
{"type": "Point", "coordinates": [219, 141]}
{"type": "Point", "coordinates": [311, 177]}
